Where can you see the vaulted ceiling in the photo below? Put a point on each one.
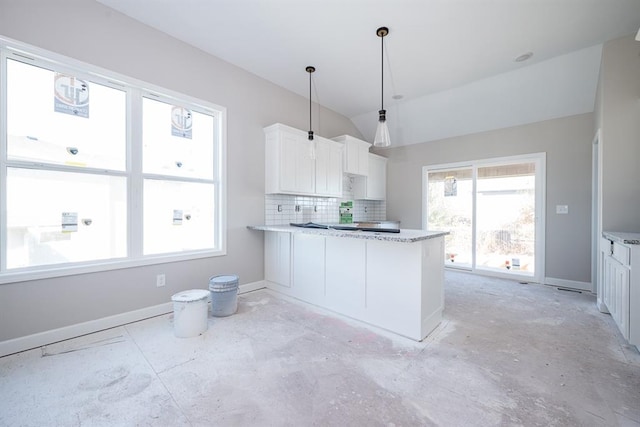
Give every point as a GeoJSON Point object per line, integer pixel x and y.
{"type": "Point", "coordinates": [450, 65]}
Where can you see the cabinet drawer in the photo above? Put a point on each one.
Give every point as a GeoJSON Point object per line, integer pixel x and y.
{"type": "Point", "coordinates": [621, 253]}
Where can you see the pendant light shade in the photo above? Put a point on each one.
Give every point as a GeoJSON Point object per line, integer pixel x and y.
{"type": "Point", "coordinates": [382, 138]}
{"type": "Point", "coordinates": [310, 70]}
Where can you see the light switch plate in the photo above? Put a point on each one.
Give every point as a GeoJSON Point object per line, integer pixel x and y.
{"type": "Point", "coordinates": [562, 209]}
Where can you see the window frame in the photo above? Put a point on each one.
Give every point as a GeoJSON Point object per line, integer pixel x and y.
{"type": "Point", "coordinates": [135, 90]}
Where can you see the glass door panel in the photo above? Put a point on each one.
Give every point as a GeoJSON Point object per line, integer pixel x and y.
{"type": "Point", "coordinates": [505, 218]}
{"type": "Point", "coordinates": [450, 207]}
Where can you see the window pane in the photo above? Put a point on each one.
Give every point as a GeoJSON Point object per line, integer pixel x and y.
{"type": "Point", "coordinates": [450, 207]}
{"type": "Point", "coordinates": [176, 141]}
{"type": "Point", "coordinates": [506, 218]}
{"type": "Point", "coordinates": [37, 132]}
{"type": "Point", "coordinates": [178, 216]}
{"type": "Point", "coordinates": [37, 201]}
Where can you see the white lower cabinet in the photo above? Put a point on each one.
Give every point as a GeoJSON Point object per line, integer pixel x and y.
{"type": "Point", "coordinates": [345, 288]}
{"type": "Point", "coordinates": [405, 290]}
{"type": "Point", "coordinates": [616, 293]}
{"type": "Point", "coordinates": [620, 291]}
{"type": "Point", "coordinates": [308, 268]}
{"type": "Point", "coordinates": [277, 258]}
{"type": "Point", "coordinates": [395, 286]}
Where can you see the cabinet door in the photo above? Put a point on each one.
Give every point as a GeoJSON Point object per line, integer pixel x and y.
{"type": "Point", "coordinates": [345, 276]}
{"type": "Point", "coordinates": [306, 166]}
{"type": "Point", "coordinates": [288, 161]}
{"type": "Point", "coordinates": [377, 179]}
{"type": "Point", "coordinates": [297, 164]}
{"type": "Point", "coordinates": [277, 258]}
{"type": "Point", "coordinates": [328, 168]}
{"type": "Point", "coordinates": [356, 161]}
{"type": "Point", "coordinates": [607, 282]}
{"type": "Point", "coordinates": [351, 157]}
{"type": "Point", "coordinates": [363, 159]}
{"type": "Point", "coordinates": [621, 286]}
{"type": "Point", "coordinates": [308, 267]}
{"type": "Point", "coordinates": [373, 186]}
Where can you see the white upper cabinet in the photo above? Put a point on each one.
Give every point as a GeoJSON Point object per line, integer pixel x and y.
{"type": "Point", "coordinates": [328, 167]}
{"type": "Point", "coordinates": [356, 155]}
{"type": "Point", "coordinates": [295, 165]}
{"type": "Point", "coordinates": [373, 186]}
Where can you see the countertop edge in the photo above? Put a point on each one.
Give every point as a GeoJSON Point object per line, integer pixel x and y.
{"type": "Point", "coordinates": [417, 235]}
{"type": "Point", "coordinates": [626, 238]}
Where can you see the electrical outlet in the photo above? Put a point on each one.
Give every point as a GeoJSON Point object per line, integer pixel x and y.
{"type": "Point", "coordinates": [160, 280]}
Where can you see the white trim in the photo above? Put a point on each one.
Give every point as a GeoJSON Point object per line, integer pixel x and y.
{"type": "Point", "coordinates": [28, 342]}
{"type": "Point", "coordinates": [3, 156]}
{"type": "Point", "coordinates": [39, 339]}
{"type": "Point", "coordinates": [512, 275]}
{"type": "Point", "coordinates": [571, 284]}
{"type": "Point", "coordinates": [250, 287]}
{"type": "Point", "coordinates": [596, 215]}
{"type": "Point", "coordinates": [94, 267]}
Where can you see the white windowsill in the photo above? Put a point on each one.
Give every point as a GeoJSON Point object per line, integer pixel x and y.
{"type": "Point", "coordinates": [49, 272]}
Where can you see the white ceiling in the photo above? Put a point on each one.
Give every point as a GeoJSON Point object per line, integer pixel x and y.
{"type": "Point", "coordinates": [452, 60]}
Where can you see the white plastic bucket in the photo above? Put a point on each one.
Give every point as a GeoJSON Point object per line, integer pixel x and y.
{"type": "Point", "coordinates": [224, 295]}
{"type": "Point", "coordinates": [190, 313]}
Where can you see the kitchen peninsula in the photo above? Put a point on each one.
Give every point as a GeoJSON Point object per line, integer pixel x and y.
{"type": "Point", "coordinates": [390, 280]}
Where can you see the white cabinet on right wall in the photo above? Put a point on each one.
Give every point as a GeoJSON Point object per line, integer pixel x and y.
{"type": "Point", "coordinates": [620, 291]}
{"type": "Point", "coordinates": [374, 185]}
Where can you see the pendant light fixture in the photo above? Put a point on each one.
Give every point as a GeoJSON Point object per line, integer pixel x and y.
{"type": "Point", "coordinates": [382, 132]}
{"type": "Point", "coordinates": [310, 70]}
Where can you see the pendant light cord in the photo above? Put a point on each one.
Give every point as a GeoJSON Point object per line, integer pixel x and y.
{"type": "Point", "coordinates": [310, 70]}
{"type": "Point", "coordinates": [382, 71]}
{"type": "Point", "coordinates": [310, 127]}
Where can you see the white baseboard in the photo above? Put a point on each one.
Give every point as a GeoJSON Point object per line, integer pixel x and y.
{"type": "Point", "coordinates": [39, 339]}
{"type": "Point", "coordinates": [253, 286]}
{"type": "Point", "coordinates": [571, 284]}
{"type": "Point", "coordinates": [28, 342]}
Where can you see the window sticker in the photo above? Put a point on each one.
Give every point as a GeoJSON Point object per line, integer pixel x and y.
{"type": "Point", "coordinates": [71, 95]}
{"type": "Point", "coordinates": [177, 217]}
{"type": "Point", "coordinates": [69, 222]}
{"type": "Point", "coordinates": [181, 122]}
{"type": "Point", "coordinates": [450, 186]}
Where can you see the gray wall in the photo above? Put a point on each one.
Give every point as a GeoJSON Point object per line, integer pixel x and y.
{"type": "Point", "coordinates": [618, 115]}
{"type": "Point", "coordinates": [566, 141]}
{"type": "Point", "coordinates": [88, 31]}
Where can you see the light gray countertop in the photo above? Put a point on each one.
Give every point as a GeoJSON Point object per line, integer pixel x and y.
{"type": "Point", "coordinates": [405, 235]}
{"type": "Point", "coordinates": [622, 237]}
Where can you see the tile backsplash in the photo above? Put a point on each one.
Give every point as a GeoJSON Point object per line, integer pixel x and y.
{"type": "Point", "coordinates": [282, 209]}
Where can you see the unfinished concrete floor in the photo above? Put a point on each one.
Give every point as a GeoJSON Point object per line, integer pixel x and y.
{"type": "Point", "coordinates": [505, 354]}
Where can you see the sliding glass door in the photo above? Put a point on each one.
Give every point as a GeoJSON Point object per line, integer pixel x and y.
{"type": "Point", "coordinates": [494, 211]}
{"type": "Point", "coordinates": [450, 207]}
